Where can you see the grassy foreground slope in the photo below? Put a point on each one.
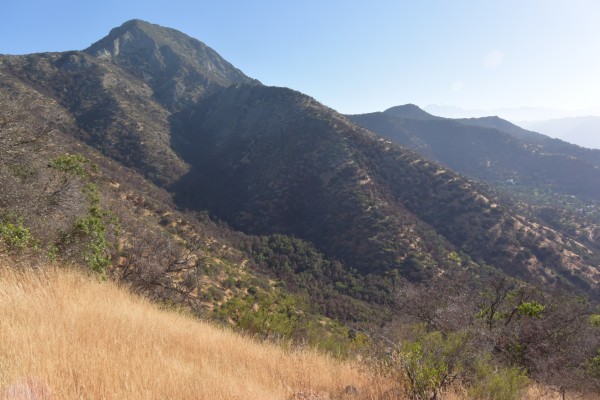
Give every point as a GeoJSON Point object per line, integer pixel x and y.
{"type": "Point", "coordinates": [68, 336]}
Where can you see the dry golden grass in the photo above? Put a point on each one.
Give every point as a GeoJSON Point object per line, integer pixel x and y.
{"type": "Point", "coordinates": [541, 392]}
{"type": "Point", "coordinates": [66, 336]}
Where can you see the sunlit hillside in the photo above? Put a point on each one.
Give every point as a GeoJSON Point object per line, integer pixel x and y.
{"type": "Point", "coordinates": [67, 336]}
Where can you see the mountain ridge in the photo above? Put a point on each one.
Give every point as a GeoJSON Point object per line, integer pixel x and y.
{"type": "Point", "coordinates": [411, 111]}
{"type": "Point", "coordinates": [494, 150]}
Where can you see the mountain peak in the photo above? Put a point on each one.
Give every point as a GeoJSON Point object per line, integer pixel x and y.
{"type": "Point", "coordinates": [130, 34]}
{"type": "Point", "coordinates": [138, 33]}
{"type": "Point", "coordinates": [136, 22]}
{"type": "Point", "coordinates": [410, 111]}
{"type": "Point", "coordinates": [178, 67]}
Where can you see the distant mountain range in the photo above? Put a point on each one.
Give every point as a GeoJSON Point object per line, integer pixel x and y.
{"type": "Point", "coordinates": [491, 149]}
{"type": "Point", "coordinates": [583, 131]}
{"type": "Point", "coordinates": [529, 114]}
{"type": "Point", "coordinates": [580, 127]}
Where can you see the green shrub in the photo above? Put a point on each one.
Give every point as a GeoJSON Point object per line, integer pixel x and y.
{"type": "Point", "coordinates": [531, 309]}
{"type": "Point", "coordinates": [22, 171]}
{"type": "Point", "coordinates": [594, 366]}
{"type": "Point", "coordinates": [279, 315]}
{"type": "Point", "coordinates": [52, 254]}
{"type": "Point", "coordinates": [432, 361]}
{"type": "Point", "coordinates": [92, 193]}
{"type": "Point", "coordinates": [15, 236]}
{"type": "Point", "coordinates": [229, 282]}
{"type": "Point", "coordinates": [497, 383]}
{"type": "Point", "coordinates": [216, 293]}
{"type": "Point", "coordinates": [75, 164]}
{"type": "Point", "coordinates": [94, 227]}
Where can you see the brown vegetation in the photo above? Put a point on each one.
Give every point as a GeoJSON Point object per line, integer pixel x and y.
{"type": "Point", "coordinates": [74, 337]}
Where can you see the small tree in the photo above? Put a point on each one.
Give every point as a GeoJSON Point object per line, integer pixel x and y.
{"type": "Point", "coordinates": [549, 334]}
{"type": "Point", "coordinates": [432, 361]}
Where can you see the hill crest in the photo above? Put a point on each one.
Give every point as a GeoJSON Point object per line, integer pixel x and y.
{"type": "Point", "coordinates": [178, 67]}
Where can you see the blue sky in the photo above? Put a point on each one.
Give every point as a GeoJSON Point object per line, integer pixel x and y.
{"type": "Point", "coordinates": [362, 56]}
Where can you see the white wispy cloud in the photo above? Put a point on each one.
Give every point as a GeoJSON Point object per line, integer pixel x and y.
{"type": "Point", "coordinates": [493, 59]}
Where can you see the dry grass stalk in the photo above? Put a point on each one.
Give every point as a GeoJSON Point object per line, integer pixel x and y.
{"type": "Point", "coordinates": [68, 336]}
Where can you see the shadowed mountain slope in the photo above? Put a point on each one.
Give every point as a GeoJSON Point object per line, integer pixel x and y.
{"type": "Point", "coordinates": [270, 159]}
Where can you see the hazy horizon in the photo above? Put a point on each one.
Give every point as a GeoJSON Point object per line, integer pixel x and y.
{"type": "Point", "coordinates": [513, 114]}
